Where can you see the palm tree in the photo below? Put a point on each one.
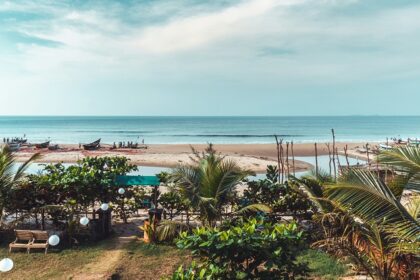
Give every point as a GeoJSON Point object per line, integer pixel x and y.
{"type": "Point", "coordinates": [209, 183]}
{"type": "Point", "coordinates": [406, 161]}
{"type": "Point", "coordinates": [9, 176]}
{"type": "Point", "coordinates": [363, 217]}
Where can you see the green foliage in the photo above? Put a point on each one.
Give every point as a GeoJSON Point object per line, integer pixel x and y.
{"type": "Point", "coordinates": [199, 272]}
{"type": "Point", "coordinates": [251, 249]}
{"type": "Point", "coordinates": [281, 198]}
{"type": "Point", "coordinates": [173, 202]}
{"type": "Point", "coordinates": [10, 178]}
{"type": "Point", "coordinates": [322, 265]}
{"type": "Point", "coordinates": [63, 192]}
{"type": "Point", "coordinates": [209, 183]}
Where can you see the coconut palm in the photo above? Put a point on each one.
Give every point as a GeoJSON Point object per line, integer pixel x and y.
{"type": "Point", "coordinates": [209, 183]}
{"type": "Point", "coordinates": [363, 218]}
{"type": "Point", "coordinates": [9, 176]}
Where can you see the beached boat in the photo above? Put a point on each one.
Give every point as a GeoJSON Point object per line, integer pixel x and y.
{"type": "Point", "coordinates": [53, 147]}
{"type": "Point", "coordinates": [384, 147]}
{"type": "Point", "coordinates": [14, 147]}
{"type": "Point", "coordinates": [19, 141]}
{"type": "Point", "coordinates": [93, 146]}
{"type": "Point", "coordinates": [43, 145]}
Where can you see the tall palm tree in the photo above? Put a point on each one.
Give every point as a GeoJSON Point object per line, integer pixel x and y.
{"type": "Point", "coordinates": [209, 182]}
{"type": "Point", "coordinates": [9, 176]}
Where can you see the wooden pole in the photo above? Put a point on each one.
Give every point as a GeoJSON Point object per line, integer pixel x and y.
{"type": "Point", "coordinates": [338, 161]}
{"type": "Point", "coordinates": [278, 158]}
{"type": "Point", "coordinates": [287, 159]}
{"type": "Point", "coordinates": [333, 148]}
{"type": "Point", "coordinates": [347, 155]}
{"type": "Point", "coordinates": [293, 160]}
{"type": "Point", "coordinates": [367, 154]}
{"type": "Point", "coordinates": [282, 160]}
{"type": "Point", "coordinates": [316, 160]}
{"type": "Point", "coordinates": [329, 155]}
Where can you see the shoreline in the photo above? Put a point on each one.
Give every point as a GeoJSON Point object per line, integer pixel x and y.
{"type": "Point", "coordinates": [254, 157]}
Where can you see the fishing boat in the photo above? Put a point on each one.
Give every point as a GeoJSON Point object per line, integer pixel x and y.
{"type": "Point", "coordinates": [43, 145]}
{"type": "Point", "coordinates": [19, 141]}
{"type": "Point", "coordinates": [14, 147]}
{"type": "Point", "coordinates": [384, 147]}
{"type": "Point", "coordinates": [53, 147]}
{"type": "Point", "coordinates": [92, 146]}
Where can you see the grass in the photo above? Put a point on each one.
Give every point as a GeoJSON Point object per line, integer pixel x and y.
{"type": "Point", "coordinates": [54, 265]}
{"type": "Point", "coordinates": [147, 261]}
{"type": "Point", "coordinates": [137, 260]}
{"type": "Point", "coordinates": [322, 265]}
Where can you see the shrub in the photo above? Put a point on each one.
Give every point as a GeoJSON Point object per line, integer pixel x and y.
{"type": "Point", "coordinates": [250, 249]}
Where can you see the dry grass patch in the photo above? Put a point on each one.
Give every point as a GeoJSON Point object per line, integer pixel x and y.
{"type": "Point", "coordinates": [147, 261]}
{"type": "Point", "coordinates": [54, 265]}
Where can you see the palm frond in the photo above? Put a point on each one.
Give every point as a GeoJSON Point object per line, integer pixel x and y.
{"type": "Point", "coordinates": [254, 208]}
{"type": "Point", "coordinates": [168, 230]}
{"type": "Point", "coordinates": [369, 198]}
{"type": "Point", "coordinates": [404, 159]}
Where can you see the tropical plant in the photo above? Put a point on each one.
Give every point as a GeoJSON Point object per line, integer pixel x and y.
{"type": "Point", "coordinates": [284, 198]}
{"type": "Point", "coordinates": [9, 176]}
{"type": "Point", "coordinates": [362, 218]}
{"type": "Point", "coordinates": [251, 249]}
{"type": "Point", "coordinates": [209, 183]}
{"type": "Point", "coordinates": [406, 161]}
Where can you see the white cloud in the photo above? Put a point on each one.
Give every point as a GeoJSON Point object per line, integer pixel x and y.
{"type": "Point", "coordinates": [195, 31]}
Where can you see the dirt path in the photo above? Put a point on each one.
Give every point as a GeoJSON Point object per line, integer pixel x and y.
{"type": "Point", "coordinates": [105, 265]}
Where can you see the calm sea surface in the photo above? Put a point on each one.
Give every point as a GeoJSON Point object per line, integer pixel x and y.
{"type": "Point", "coordinates": [208, 129]}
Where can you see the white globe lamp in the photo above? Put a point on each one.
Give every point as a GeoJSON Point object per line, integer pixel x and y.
{"type": "Point", "coordinates": [6, 265]}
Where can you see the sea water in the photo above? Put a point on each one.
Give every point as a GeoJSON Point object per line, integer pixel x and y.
{"type": "Point", "coordinates": [171, 130]}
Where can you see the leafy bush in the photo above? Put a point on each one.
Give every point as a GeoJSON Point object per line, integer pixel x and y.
{"type": "Point", "coordinates": [250, 249]}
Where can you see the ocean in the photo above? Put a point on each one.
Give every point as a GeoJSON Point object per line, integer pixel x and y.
{"type": "Point", "coordinates": [171, 130]}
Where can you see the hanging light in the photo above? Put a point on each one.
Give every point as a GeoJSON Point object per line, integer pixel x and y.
{"type": "Point", "coordinates": [104, 206]}
{"type": "Point", "coordinates": [121, 191]}
{"type": "Point", "coordinates": [54, 240]}
{"type": "Point", "coordinates": [6, 265]}
{"type": "Point", "coordinates": [84, 221]}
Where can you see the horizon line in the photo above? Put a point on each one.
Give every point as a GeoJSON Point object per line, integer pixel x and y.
{"type": "Point", "coordinates": [214, 116]}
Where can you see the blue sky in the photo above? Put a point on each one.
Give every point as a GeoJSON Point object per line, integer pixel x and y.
{"type": "Point", "coordinates": [191, 57]}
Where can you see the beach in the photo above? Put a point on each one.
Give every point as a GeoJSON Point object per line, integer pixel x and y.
{"type": "Point", "coordinates": [254, 157]}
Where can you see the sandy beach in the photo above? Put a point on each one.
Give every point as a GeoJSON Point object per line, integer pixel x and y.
{"type": "Point", "coordinates": [250, 156]}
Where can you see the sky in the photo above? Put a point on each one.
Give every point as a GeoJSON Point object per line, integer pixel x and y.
{"type": "Point", "coordinates": [219, 57]}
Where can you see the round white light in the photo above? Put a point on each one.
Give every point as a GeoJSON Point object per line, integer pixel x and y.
{"type": "Point", "coordinates": [54, 240]}
{"type": "Point", "coordinates": [84, 221]}
{"type": "Point", "coordinates": [6, 265]}
{"type": "Point", "coordinates": [121, 191]}
{"type": "Point", "coordinates": [104, 206]}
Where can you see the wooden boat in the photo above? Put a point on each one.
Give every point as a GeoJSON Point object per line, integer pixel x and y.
{"type": "Point", "coordinates": [43, 145]}
{"type": "Point", "coordinates": [384, 147]}
{"type": "Point", "coordinates": [53, 147]}
{"type": "Point", "coordinates": [92, 146]}
{"type": "Point", "coordinates": [19, 141]}
{"type": "Point", "coordinates": [13, 147]}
